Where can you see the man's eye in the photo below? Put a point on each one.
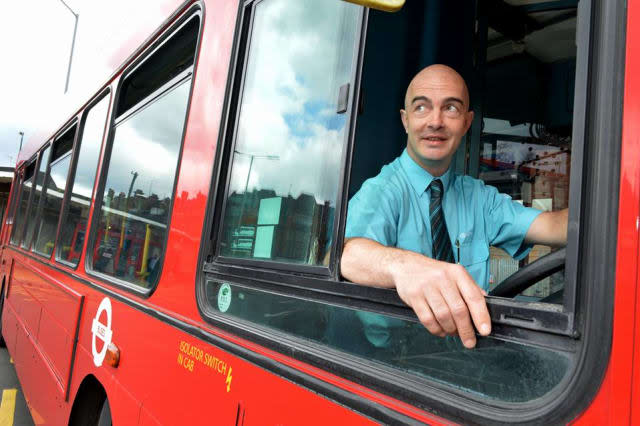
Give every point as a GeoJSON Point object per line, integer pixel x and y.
{"type": "Point", "coordinates": [420, 108]}
{"type": "Point", "coordinates": [452, 108]}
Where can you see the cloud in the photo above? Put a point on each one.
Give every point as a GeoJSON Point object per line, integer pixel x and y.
{"type": "Point", "coordinates": [300, 54]}
{"type": "Point", "coordinates": [91, 142]}
{"type": "Point", "coordinates": [148, 144]}
{"type": "Point", "coordinates": [37, 37]}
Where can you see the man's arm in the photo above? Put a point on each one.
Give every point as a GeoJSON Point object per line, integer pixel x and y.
{"type": "Point", "coordinates": [549, 228]}
{"type": "Point", "coordinates": [441, 294]}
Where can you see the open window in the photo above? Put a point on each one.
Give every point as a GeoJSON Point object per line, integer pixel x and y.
{"type": "Point", "coordinates": [309, 125]}
{"type": "Point", "coordinates": [135, 196]}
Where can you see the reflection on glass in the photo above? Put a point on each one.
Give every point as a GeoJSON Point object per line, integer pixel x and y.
{"type": "Point", "coordinates": [18, 222]}
{"type": "Point", "coordinates": [51, 205]}
{"type": "Point", "coordinates": [495, 369]}
{"type": "Point", "coordinates": [33, 213]}
{"type": "Point", "coordinates": [74, 226]}
{"type": "Point", "coordinates": [139, 188]}
{"type": "Point", "coordinates": [290, 135]}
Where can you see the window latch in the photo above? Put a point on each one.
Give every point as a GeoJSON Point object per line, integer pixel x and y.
{"type": "Point", "coordinates": [343, 98]}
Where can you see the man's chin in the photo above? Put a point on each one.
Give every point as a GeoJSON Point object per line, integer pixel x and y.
{"type": "Point", "coordinates": [435, 157]}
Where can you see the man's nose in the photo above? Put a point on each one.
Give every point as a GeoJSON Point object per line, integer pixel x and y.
{"type": "Point", "coordinates": [435, 119]}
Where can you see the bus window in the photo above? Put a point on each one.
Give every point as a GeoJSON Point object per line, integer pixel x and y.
{"type": "Point", "coordinates": [522, 95]}
{"type": "Point", "coordinates": [14, 196]}
{"type": "Point", "coordinates": [35, 203]}
{"type": "Point", "coordinates": [54, 190]}
{"type": "Point", "coordinates": [130, 230]}
{"type": "Point", "coordinates": [26, 181]}
{"type": "Point", "coordinates": [291, 132]}
{"type": "Point", "coordinates": [74, 224]}
{"type": "Point", "coordinates": [516, 85]}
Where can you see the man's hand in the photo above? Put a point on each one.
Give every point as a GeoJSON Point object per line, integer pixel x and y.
{"type": "Point", "coordinates": [443, 295]}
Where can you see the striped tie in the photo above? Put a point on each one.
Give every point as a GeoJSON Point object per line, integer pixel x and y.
{"type": "Point", "coordinates": [442, 249]}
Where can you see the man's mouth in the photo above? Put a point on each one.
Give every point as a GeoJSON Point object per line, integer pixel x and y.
{"type": "Point", "coordinates": [435, 138]}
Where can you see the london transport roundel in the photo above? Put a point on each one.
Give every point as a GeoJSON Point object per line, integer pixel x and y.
{"type": "Point", "coordinates": [101, 331]}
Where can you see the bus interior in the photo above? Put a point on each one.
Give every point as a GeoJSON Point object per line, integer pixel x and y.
{"type": "Point", "coordinates": [521, 77]}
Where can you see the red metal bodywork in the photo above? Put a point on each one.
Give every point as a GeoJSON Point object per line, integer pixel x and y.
{"type": "Point", "coordinates": [618, 401]}
{"type": "Point", "coordinates": [153, 384]}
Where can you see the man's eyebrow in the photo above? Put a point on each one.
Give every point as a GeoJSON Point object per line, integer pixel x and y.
{"type": "Point", "coordinates": [453, 99]}
{"type": "Point", "coordinates": [420, 98]}
{"type": "Point", "coordinates": [447, 100]}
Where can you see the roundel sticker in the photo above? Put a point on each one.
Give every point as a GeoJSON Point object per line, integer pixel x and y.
{"type": "Point", "coordinates": [224, 297]}
{"type": "Point", "coordinates": [101, 331]}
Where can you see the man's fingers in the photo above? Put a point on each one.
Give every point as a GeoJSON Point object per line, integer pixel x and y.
{"type": "Point", "coordinates": [441, 310]}
{"type": "Point", "coordinates": [460, 314]}
{"type": "Point", "coordinates": [474, 300]}
{"type": "Point", "coordinates": [426, 317]}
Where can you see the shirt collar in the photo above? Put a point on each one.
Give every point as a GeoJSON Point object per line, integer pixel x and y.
{"type": "Point", "coordinates": [419, 178]}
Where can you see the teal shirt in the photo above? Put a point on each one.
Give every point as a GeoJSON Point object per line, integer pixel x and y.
{"type": "Point", "coordinates": [393, 209]}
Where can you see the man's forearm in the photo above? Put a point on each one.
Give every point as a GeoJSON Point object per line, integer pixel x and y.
{"type": "Point", "coordinates": [368, 262]}
{"type": "Point", "coordinates": [443, 295]}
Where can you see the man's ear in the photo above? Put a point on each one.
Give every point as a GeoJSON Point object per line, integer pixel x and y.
{"type": "Point", "coordinates": [403, 117]}
{"type": "Point", "coordinates": [469, 117]}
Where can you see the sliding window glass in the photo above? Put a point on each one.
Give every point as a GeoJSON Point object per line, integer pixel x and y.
{"type": "Point", "coordinates": [23, 203]}
{"type": "Point", "coordinates": [73, 227]}
{"type": "Point", "coordinates": [291, 132]}
{"type": "Point", "coordinates": [55, 185]}
{"type": "Point", "coordinates": [132, 221]}
{"type": "Point", "coordinates": [37, 192]}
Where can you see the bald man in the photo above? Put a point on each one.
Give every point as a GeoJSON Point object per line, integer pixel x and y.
{"type": "Point", "coordinates": [393, 218]}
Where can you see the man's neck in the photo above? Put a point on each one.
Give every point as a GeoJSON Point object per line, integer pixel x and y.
{"type": "Point", "coordinates": [434, 168]}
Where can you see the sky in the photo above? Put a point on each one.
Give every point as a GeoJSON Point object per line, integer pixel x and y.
{"type": "Point", "coordinates": [288, 111]}
{"type": "Point", "coordinates": [35, 41]}
{"type": "Point", "coordinates": [289, 121]}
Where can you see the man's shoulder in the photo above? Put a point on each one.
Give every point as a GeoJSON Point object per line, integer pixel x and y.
{"type": "Point", "coordinates": [389, 186]}
{"type": "Point", "coordinates": [391, 176]}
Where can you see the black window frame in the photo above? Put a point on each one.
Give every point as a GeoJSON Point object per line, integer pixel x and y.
{"type": "Point", "coordinates": [71, 174]}
{"type": "Point", "coordinates": [26, 246]}
{"type": "Point", "coordinates": [61, 133]}
{"type": "Point", "coordinates": [35, 160]}
{"type": "Point", "coordinates": [581, 325]}
{"type": "Point", "coordinates": [230, 131]}
{"type": "Point", "coordinates": [16, 187]}
{"type": "Point", "coordinates": [196, 11]}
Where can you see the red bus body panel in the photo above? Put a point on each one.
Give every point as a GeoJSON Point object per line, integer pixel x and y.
{"type": "Point", "coordinates": [618, 401]}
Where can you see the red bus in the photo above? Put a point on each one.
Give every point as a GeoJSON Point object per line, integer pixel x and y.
{"type": "Point", "coordinates": [171, 250]}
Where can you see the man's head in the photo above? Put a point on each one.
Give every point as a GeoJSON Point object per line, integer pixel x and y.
{"type": "Point", "coordinates": [436, 117]}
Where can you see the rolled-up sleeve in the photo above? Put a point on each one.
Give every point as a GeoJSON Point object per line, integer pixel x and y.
{"type": "Point", "coordinates": [508, 222]}
{"type": "Point", "coordinates": [373, 214]}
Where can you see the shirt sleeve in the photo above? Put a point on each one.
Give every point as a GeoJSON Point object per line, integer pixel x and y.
{"type": "Point", "coordinates": [508, 222]}
{"type": "Point", "coordinates": [373, 213]}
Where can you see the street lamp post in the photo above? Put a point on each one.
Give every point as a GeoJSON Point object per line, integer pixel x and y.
{"type": "Point", "coordinates": [21, 137]}
{"type": "Point", "coordinates": [252, 156]}
{"type": "Point", "coordinates": [246, 185]}
{"type": "Point", "coordinates": [73, 42]}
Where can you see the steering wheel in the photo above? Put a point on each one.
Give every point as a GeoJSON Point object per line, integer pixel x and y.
{"type": "Point", "coordinates": [531, 274]}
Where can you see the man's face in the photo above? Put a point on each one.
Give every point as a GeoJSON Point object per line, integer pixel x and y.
{"type": "Point", "coordinates": [436, 117]}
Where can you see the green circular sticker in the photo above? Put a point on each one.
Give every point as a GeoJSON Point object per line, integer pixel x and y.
{"type": "Point", "coordinates": [224, 297]}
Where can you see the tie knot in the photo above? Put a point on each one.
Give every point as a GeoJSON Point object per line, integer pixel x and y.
{"type": "Point", "coordinates": [436, 188]}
